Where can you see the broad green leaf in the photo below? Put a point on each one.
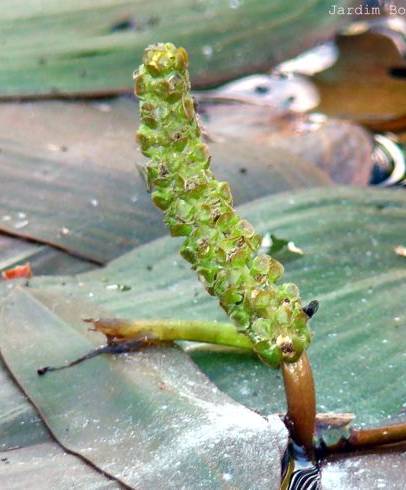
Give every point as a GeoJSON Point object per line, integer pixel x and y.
{"type": "Point", "coordinates": [88, 47]}
{"type": "Point", "coordinates": [350, 266]}
{"type": "Point", "coordinates": [100, 207]}
{"type": "Point", "coordinates": [149, 419]}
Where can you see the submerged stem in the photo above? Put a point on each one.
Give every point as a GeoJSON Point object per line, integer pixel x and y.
{"type": "Point", "coordinates": [381, 435]}
{"type": "Point", "coordinates": [370, 438]}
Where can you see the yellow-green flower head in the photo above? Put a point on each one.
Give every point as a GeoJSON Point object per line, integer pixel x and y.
{"type": "Point", "coordinates": [221, 247]}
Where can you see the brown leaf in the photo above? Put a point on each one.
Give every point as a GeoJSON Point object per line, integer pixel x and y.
{"type": "Point", "coordinates": [340, 149]}
{"type": "Point", "coordinates": [366, 83]}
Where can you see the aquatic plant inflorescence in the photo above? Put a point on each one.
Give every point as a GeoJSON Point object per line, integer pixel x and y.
{"type": "Point", "coordinates": [221, 246]}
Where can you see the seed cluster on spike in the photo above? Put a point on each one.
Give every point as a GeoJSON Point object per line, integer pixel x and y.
{"type": "Point", "coordinates": [221, 246]}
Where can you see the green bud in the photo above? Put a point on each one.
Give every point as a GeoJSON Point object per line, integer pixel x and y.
{"type": "Point", "coordinates": [270, 354]}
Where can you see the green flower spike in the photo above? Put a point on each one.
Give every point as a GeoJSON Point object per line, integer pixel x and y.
{"type": "Point", "coordinates": [221, 246]}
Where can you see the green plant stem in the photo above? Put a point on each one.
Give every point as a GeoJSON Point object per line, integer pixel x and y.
{"type": "Point", "coordinates": [170, 330]}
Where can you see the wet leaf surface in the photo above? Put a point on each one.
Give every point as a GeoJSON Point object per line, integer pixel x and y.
{"type": "Point", "coordinates": [100, 207]}
{"type": "Point", "coordinates": [46, 465]}
{"type": "Point", "coordinates": [349, 266]}
{"type": "Point", "coordinates": [384, 469]}
{"type": "Point", "coordinates": [91, 206]}
{"type": "Point", "coordinates": [19, 422]}
{"type": "Point", "coordinates": [149, 419]}
{"type": "Point", "coordinates": [172, 426]}
{"type": "Point", "coordinates": [88, 48]}
{"type": "Point", "coordinates": [44, 260]}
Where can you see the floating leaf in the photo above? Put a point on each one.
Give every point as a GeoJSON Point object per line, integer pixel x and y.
{"type": "Point", "coordinates": [46, 465]}
{"type": "Point", "coordinates": [88, 48]}
{"type": "Point", "coordinates": [20, 425]}
{"type": "Point", "coordinates": [352, 272]}
{"type": "Point", "coordinates": [100, 207]}
{"type": "Point", "coordinates": [149, 420]}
